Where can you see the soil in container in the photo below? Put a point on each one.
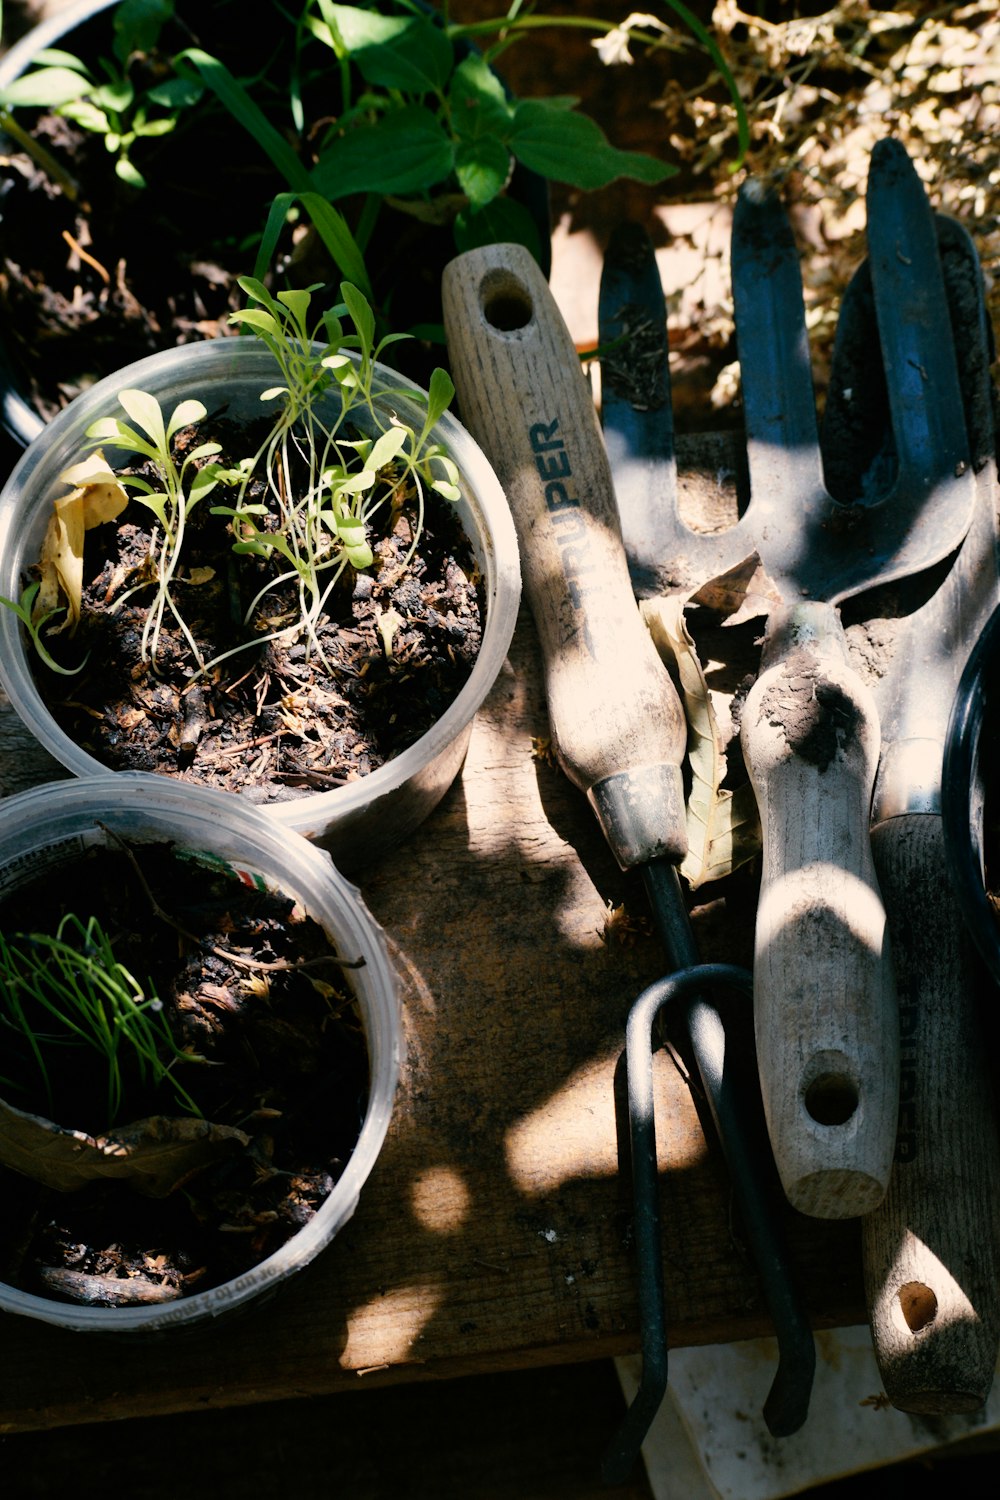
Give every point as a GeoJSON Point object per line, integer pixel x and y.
{"type": "Point", "coordinates": [252, 986]}
{"type": "Point", "coordinates": [281, 719]}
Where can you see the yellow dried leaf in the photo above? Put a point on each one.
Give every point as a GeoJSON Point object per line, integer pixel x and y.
{"type": "Point", "coordinates": [722, 825]}
{"type": "Point", "coordinates": [96, 497]}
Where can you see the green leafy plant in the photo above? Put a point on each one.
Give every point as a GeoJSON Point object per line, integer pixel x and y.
{"type": "Point", "coordinates": [333, 458]}
{"type": "Point", "coordinates": [319, 524]}
{"type": "Point", "coordinates": [110, 105]}
{"type": "Point", "coordinates": [24, 609]}
{"type": "Point", "coordinates": [182, 487]}
{"type": "Point", "coordinates": [69, 991]}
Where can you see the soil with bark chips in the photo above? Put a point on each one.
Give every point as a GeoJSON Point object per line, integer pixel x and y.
{"type": "Point", "coordinates": [280, 719]}
{"type": "Point", "coordinates": [252, 986]}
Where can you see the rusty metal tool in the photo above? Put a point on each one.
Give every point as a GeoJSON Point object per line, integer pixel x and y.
{"type": "Point", "coordinates": [932, 1249]}
{"type": "Point", "coordinates": [824, 1000]}
{"type": "Point", "coordinates": [617, 724]}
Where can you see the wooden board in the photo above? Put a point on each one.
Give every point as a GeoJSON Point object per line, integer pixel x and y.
{"type": "Point", "coordinates": [494, 1233]}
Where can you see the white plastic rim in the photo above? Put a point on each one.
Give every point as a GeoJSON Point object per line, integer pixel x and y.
{"type": "Point", "coordinates": [361, 819]}
{"type": "Point", "coordinates": [51, 824]}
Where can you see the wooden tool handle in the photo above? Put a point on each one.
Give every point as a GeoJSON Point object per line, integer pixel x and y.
{"type": "Point", "coordinates": [617, 724]}
{"type": "Point", "coordinates": [824, 999]}
{"type": "Point", "coordinates": [932, 1249]}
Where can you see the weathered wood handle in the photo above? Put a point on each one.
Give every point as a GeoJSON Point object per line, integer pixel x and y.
{"type": "Point", "coordinates": [824, 998]}
{"type": "Point", "coordinates": [617, 724]}
{"type": "Point", "coordinates": [932, 1249]}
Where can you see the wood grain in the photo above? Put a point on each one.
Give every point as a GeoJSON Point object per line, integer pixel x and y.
{"type": "Point", "coordinates": [494, 1232]}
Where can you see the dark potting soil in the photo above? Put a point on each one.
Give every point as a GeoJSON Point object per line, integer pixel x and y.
{"type": "Point", "coordinates": [277, 721]}
{"type": "Point", "coordinates": [92, 280]}
{"type": "Point", "coordinates": [101, 274]}
{"type": "Point", "coordinates": [251, 985]}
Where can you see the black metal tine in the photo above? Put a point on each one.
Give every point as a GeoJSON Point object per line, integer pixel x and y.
{"type": "Point", "coordinates": [636, 414]}
{"type": "Point", "coordinates": [787, 1402]}
{"type": "Point", "coordinates": [733, 1094]}
{"type": "Point", "coordinates": [914, 327]}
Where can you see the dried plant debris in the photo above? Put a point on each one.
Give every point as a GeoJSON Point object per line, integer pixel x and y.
{"type": "Point", "coordinates": [819, 91]}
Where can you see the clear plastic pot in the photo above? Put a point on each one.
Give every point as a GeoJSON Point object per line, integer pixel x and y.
{"type": "Point", "coordinates": [362, 819]}
{"type": "Point", "coordinates": [50, 825]}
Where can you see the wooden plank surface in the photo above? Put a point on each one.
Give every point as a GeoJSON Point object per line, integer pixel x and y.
{"type": "Point", "coordinates": [494, 1233]}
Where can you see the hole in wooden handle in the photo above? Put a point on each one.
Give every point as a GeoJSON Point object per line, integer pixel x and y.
{"type": "Point", "coordinates": [506, 301]}
{"type": "Point", "coordinates": [831, 1099]}
{"type": "Point", "coordinates": [918, 1305]}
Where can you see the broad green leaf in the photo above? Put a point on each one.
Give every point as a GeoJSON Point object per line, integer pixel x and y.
{"type": "Point", "coordinates": [128, 173]}
{"type": "Point", "coordinates": [569, 147]}
{"type": "Point", "coordinates": [138, 24]}
{"type": "Point", "coordinates": [176, 93]}
{"type": "Point", "coordinates": [110, 428]}
{"type": "Point", "coordinates": [440, 395]}
{"type": "Point", "coordinates": [478, 104]}
{"type": "Point", "coordinates": [417, 60]}
{"type": "Point", "coordinates": [360, 313]}
{"type": "Point", "coordinates": [54, 57]}
{"type": "Point", "coordinates": [115, 97]}
{"type": "Point", "coordinates": [356, 484]}
{"type": "Point", "coordinates": [186, 414]}
{"type": "Point", "coordinates": [482, 168]}
{"type": "Point", "coordinates": [722, 826]}
{"type": "Point", "coordinates": [255, 317]}
{"type": "Point", "coordinates": [158, 505]}
{"type": "Point", "coordinates": [358, 27]}
{"type": "Point", "coordinates": [502, 222]}
{"type": "Point", "coordinates": [203, 483]}
{"type": "Point", "coordinates": [256, 289]}
{"type": "Point", "coordinates": [155, 127]}
{"type": "Point", "coordinates": [386, 448]}
{"type": "Point", "coordinates": [87, 116]}
{"type": "Point", "coordinates": [145, 412]}
{"type": "Point", "coordinates": [406, 151]}
{"type": "Point", "coordinates": [48, 88]}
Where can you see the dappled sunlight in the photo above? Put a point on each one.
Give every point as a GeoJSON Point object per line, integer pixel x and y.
{"type": "Point", "coordinates": [385, 1330]}
{"type": "Point", "coordinates": [572, 1134]}
{"type": "Point", "coordinates": [441, 1200]}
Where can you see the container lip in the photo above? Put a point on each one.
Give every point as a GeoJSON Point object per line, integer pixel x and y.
{"type": "Point", "coordinates": [960, 774]}
{"type": "Point", "coordinates": [213, 360]}
{"type": "Point", "coordinates": [63, 805]}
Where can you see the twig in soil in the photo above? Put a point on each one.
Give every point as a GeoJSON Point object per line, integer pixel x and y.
{"type": "Point", "coordinates": [84, 255]}
{"type": "Point", "coordinates": [196, 720]}
{"type": "Point", "coordinates": [285, 965]}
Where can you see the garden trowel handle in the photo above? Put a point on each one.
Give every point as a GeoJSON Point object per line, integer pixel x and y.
{"type": "Point", "coordinates": [931, 1248]}
{"type": "Point", "coordinates": [824, 997]}
{"type": "Point", "coordinates": [617, 724]}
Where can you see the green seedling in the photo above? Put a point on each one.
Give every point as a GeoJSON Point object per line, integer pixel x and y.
{"type": "Point", "coordinates": [108, 105]}
{"type": "Point", "coordinates": [318, 521]}
{"type": "Point", "coordinates": [183, 486]}
{"type": "Point", "coordinates": [70, 991]}
{"type": "Point", "coordinates": [334, 457]}
{"type": "Point", "coordinates": [23, 609]}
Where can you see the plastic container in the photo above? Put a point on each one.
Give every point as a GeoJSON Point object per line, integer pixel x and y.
{"type": "Point", "coordinates": [362, 819]}
{"type": "Point", "coordinates": [51, 824]}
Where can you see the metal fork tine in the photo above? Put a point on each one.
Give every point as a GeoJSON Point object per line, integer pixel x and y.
{"type": "Point", "coordinates": [636, 414]}
{"type": "Point", "coordinates": [778, 402]}
{"type": "Point", "coordinates": [915, 332]}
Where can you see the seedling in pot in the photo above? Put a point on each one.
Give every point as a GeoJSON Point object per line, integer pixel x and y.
{"type": "Point", "coordinates": [111, 106]}
{"type": "Point", "coordinates": [304, 502]}
{"type": "Point", "coordinates": [68, 990]}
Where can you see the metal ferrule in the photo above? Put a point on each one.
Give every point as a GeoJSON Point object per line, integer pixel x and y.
{"type": "Point", "coordinates": [909, 780]}
{"type": "Point", "coordinates": [641, 813]}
